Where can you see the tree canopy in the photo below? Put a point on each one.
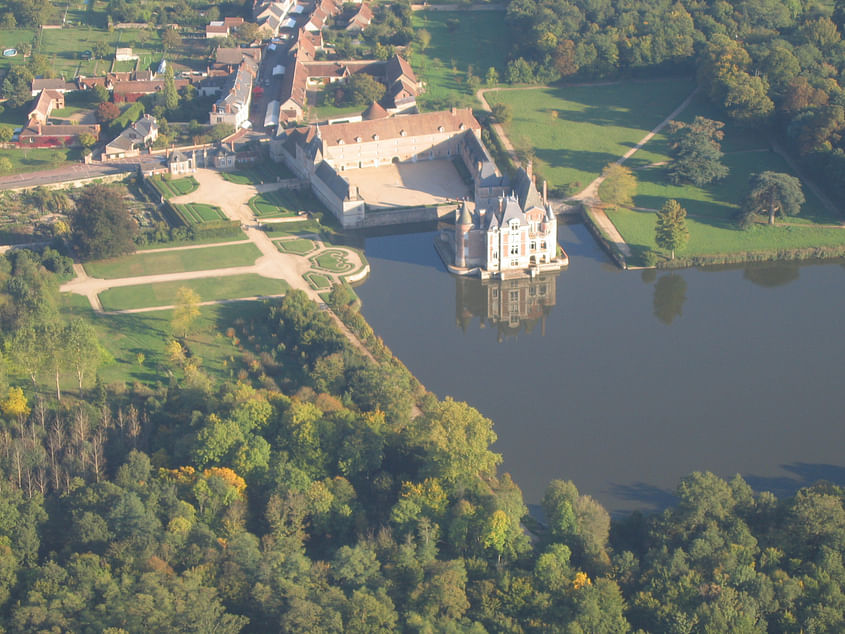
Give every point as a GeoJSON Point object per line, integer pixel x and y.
{"type": "Point", "coordinates": [101, 226]}
{"type": "Point", "coordinates": [696, 151]}
{"type": "Point", "coordinates": [772, 194]}
{"type": "Point", "coordinates": [671, 232]}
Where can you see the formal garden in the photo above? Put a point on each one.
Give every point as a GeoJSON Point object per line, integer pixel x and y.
{"type": "Point", "coordinates": [169, 187]}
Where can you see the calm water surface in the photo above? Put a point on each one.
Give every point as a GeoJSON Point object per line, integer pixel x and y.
{"type": "Point", "coordinates": [630, 380]}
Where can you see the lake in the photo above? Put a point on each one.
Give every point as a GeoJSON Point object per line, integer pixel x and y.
{"type": "Point", "coordinates": [623, 381]}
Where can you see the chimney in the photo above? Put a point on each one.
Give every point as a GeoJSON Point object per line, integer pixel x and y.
{"type": "Point", "coordinates": [545, 193]}
{"type": "Point", "coordinates": [529, 169]}
{"type": "Point", "coordinates": [454, 110]}
{"type": "Point", "coordinates": [478, 167]}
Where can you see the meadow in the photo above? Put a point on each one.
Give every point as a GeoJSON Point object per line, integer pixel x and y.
{"type": "Point", "coordinates": [460, 42]}
{"type": "Point", "coordinates": [576, 130]}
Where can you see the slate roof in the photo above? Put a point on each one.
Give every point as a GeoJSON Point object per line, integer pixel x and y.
{"type": "Point", "coordinates": [239, 89]}
{"type": "Point", "coordinates": [333, 180]}
{"type": "Point", "coordinates": [527, 193]}
{"type": "Point", "coordinates": [59, 85]}
{"type": "Point", "coordinates": [455, 121]}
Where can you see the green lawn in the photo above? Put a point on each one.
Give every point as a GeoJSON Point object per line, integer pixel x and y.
{"type": "Point", "coordinates": [197, 213]}
{"type": "Point", "coordinates": [711, 208]}
{"type": "Point", "coordinates": [332, 260]}
{"type": "Point", "coordinates": [576, 130]}
{"type": "Point", "coordinates": [298, 246]}
{"type": "Point", "coordinates": [186, 243]}
{"type": "Point", "coordinates": [317, 281]}
{"type": "Point", "coordinates": [264, 172]}
{"type": "Point", "coordinates": [282, 203]}
{"type": "Point", "coordinates": [283, 229]}
{"type": "Point", "coordinates": [35, 159]}
{"type": "Point", "coordinates": [63, 47]}
{"type": "Point", "coordinates": [170, 187]}
{"type": "Point", "coordinates": [174, 261]}
{"type": "Point", "coordinates": [275, 204]}
{"type": "Point", "coordinates": [124, 336]}
{"type": "Point", "coordinates": [230, 287]}
{"type": "Point", "coordinates": [458, 44]}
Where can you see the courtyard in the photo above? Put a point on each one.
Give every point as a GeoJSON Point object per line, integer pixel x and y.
{"type": "Point", "coordinates": [409, 184]}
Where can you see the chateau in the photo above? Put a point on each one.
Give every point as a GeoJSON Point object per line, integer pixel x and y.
{"type": "Point", "coordinates": [321, 154]}
{"type": "Point", "coordinates": [517, 233]}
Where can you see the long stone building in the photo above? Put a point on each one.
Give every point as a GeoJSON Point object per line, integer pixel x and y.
{"type": "Point", "coordinates": [321, 154]}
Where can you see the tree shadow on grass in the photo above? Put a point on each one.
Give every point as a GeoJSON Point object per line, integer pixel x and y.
{"type": "Point", "coordinates": [583, 160]}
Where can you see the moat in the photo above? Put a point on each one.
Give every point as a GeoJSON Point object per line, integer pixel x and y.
{"type": "Point", "coordinates": [624, 381]}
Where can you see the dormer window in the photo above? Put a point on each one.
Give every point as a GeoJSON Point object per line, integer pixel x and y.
{"type": "Point", "coordinates": [402, 133]}
{"type": "Point", "coordinates": [375, 137]}
{"type": "Point", "coordinates": [461, 127]}
{"type": "Point", "coordinates": [340, 141]}
{"type": "Point", "coordinates": [357, 139]}
{"type": "Point", "coordinates": [440, 128]}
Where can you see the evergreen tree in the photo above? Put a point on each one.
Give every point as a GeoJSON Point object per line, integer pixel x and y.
{"type": "Point", "coordinates": [772, 193]}
{"type": "Point", "coordinates": [696, 152]}
{"type": "Point", "coordinates": [671, 231]}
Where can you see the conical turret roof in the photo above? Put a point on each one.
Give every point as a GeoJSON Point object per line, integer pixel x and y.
{"type": "Point", "coordinates": [375, 111]}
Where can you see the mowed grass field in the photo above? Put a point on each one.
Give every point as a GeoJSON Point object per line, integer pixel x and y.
{"type": "Point", "coordinates": [710, 208]}
{"type": "Point", "coordinates": [35, 159]}
{"type": "Point", "coordinates": [213, 288]}
{"type": "Point", "coordinates": [138, 264]}
{"type": "Point", "coordinates": [576, 130]}
{"type": "Point", "coordinates": [197, 213]}
{"type": "Point", "coordinates": [124, 336]}
{"type": "Point", "coordinates": [459, 41]}
{"type": "Point", "coordinates": [170, 187]}
{"type": "Point", "coordinates": [272, 204]}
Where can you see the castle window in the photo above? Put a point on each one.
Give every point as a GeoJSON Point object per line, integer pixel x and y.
{"type": "Point", "coordinates": [514, 296]}
{"type": "Point", "coordinates": [402, 133]}
{"type": "Point", "coordinates": [533, 246]}
{"type": "Point", "coordinates": [375, 137]}
{"type": "Point", "coordinates": [461, 127]}
{"type": "Point", "coordinates": [357, 139]}
{"type": "Point", "coordinates": [514, 262]}
{"type": "Point", "coordinates": [440, 128]}
{"type": "Point", "coordinates": [340, 141]}
{"type": "Point", "coordinates": [543, 245]}
{"type": "Point", "coordinates": [514, 249]}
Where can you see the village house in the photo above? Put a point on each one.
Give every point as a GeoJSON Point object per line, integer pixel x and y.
{"type": "Point", "coordinates": [361, 20]}
{"type": "Point", "coordinates": [54, 85]}
{"type": "Point", "coordinates": [271, 16]}
{"type": "Point", "coordinates": [233, 105]}
{"type": "Point", "coordinates": [128, 143]}
{"type": "Point", "coordinates": [222, 28]}
{"type": "Point", "coordinates": [132, 90]}
{"type": "Point", "coordinates": [180, 163]}
{"type": "Point", "coordinates": [47, 101]}
{"type": "Point", "coordinates": [124, 55]}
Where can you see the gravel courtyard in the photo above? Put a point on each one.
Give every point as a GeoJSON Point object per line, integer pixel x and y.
{"type": "Point", "coordinates": [409, 184]}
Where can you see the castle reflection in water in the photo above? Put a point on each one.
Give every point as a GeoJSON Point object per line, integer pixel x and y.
{"type": "Point", "coordinates": [511, 306]}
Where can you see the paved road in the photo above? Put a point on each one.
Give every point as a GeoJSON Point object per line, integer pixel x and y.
{"type": "Point", "coordinates": [73, 172]}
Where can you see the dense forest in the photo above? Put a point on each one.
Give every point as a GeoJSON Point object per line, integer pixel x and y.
{"type": "Point", "coordinates": [770, 64]}
{"type": "Point", "coordinates": [315, 490]}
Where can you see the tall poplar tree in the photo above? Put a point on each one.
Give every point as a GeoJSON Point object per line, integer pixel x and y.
{"type": "Point", "coordinates": [671, 230]}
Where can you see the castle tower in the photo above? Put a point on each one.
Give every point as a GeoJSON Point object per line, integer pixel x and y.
{"type": "Point", "coordinates": [463, 225]}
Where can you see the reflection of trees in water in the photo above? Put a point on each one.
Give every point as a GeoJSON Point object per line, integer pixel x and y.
{"type": "Point", "coordinates": [670, 293]}
{"type": "Point", "coordinates": [771, 275]}
{"type": "Point", "coordinates": [648, 275]}
{"type": "Point", "coordinates": [511, 306]}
